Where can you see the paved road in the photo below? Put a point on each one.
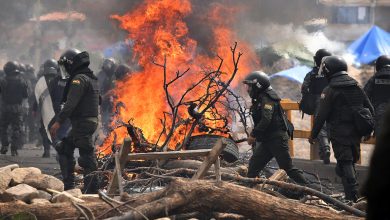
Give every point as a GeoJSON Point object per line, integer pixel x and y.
{"type": "Point", "coordinates": [32, 157]}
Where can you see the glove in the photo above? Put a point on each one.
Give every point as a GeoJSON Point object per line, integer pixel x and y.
{"type": "Point", "coordinates": [311, 140]}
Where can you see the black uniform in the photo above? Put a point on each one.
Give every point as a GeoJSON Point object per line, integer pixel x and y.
{"type": "Point", "coordinates": [13, 90]}
{"type": "Point", "coordinates": [81, 97]}
{"type": "Point", "coordinates": [271, 137]}
{"type": "Point", "coordinates": [336, 111]}
{"type": "Point", "coordinates": [106, 84]}
{"type": "Point", "coordinates": [311, 90]}
{"type": "Point", "coordinates": [377, 187]}
{"type": "Point", "coordinates": [378, 91]}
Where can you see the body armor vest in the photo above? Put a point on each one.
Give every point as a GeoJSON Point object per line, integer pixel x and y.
{"type": "Point", "coordinates": [317, 84]}
{"type": "Point", "coordinates": [89, 103]}
{"type": "Point", "coordinates": [14, 90]}
{"type": "Point", "coordinates": [381, 89]}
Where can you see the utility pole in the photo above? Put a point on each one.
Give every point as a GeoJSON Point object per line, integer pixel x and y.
{"type": "Point", "coordinates": [373, 9]}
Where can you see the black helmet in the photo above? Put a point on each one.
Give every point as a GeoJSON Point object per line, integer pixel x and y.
{"type": "Point", "coordinates": [50, 63]}
{"type": "Point", "coordinates": [66, 60]}
{"type": "Point", "coordinates": [30, 68]}
{"type": "Point", "coordinates": [122, 71]}
{"type": "Point", "coordinates": [109, 65]}
{"type": "Point", "coordinates": [321, 53]}
{"type": "Point", "coordinates": [331, 65]}
{"type": "Point", "coordinates": [382, 62]}
{"type": "Point", "coordinates": [22, 68]}
{"type": "Point", "coordinates": [257, 82]}
{"type": "Point", "coordinates": [11, 67]}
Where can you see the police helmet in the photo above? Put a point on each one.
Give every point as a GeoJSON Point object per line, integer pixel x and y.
{"type": "Point", "coordinates": [11, 67]}
{"type": "Point", "coordinates": [331, 65]}
{"type": "Point", "coordinates": [382, 62]}
{"type": "Point", "coordinates": [122, 71]}
{"type": "Point", "coordinates": [50, 63]}
{"type": "Point", "coordinates": [257, 82]}
{"type": "Point", "coordinates": [321, 53]}
{"type": "Point", "coordinates": [30, 68]}
{"type": "Point", "coordinates": [66, 60]}
{"type": "Point", "coordinates": [109, 65]}
{"type": "Point", "coordinates": [22, 68]}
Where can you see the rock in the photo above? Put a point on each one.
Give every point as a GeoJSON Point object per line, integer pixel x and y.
{"type": "Point", "coordinates": [43, 181]}
{"type": "Point", "coordinates": [65, 197]}
{"type": "Point", "coordinates": [75, 192]}
{"type": "Point", "coordinates": [44, 195]}
{"type": "Point", "coordinates": [22, 192]}
{"type": "Point", "coordinates": [19, 174]}
{"type": "Point", "coordinates": [5, 179]}
{"type": "Point", "coordinates": [11, 167]}
{"type": "Point", "coordinates": [40, 201]}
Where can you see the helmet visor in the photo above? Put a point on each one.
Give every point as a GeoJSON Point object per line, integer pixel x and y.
{"type": "Point", "coordinates": [64, 73]}
{"type": "Point", "coordinates": [322, 70]}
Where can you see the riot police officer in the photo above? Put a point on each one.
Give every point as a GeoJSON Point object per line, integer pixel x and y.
{"type": "Point", "coordinates": [335, 108]}
{"type": "Point", "coordinates": [378, 89]}
{"type": "Point", "coordinates": [106, 84]}
{"type": "Point", "coordinates": [311, 90]}
{"type": "Point", "coordinates": [81, 102]}
{"type": "Point", "coordinates": [50, 71]}
{"type": "Point", "coordinates": [13, 90]}
{"type": "Point", "coordinates": [270, 131]}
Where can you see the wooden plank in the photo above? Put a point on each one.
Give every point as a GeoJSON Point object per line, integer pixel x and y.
{"type": "Point", "coordinates": [289, 105]}
{"type": "Point", "coordinates": [302, 134]}
{"type": "Point", "coordinates": [169, 154]}
{"type": "Point", "coordinates": [118, 169]}
{"type": "Point", "coordinates": [210, 159]}
{"type": "Point", "coordinates": [217, 166]}
{"type": "Point", "coordinates": [123, 152]}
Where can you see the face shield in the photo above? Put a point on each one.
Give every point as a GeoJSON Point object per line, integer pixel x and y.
{"type": "Point", "coordinates": [323, 70]}
{"type": "Point", "coordinates": [64, 73]}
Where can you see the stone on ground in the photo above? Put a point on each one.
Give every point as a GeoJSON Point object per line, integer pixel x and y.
{"type": "Point", "coordinates": [22, 192]}
{"type": "Point", "coordinates": [43, 181]}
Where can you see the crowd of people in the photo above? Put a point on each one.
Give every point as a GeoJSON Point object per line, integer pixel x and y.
{"type": "Point", "coordinates": [76, 97]}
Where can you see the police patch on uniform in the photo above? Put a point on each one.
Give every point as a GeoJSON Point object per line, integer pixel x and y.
{"type": "Point", "coordinates": [76, 82]}
{"type": "Point", "coordinates": [268, 106]}
{"type": "Point", "coordinates": [322, 95]}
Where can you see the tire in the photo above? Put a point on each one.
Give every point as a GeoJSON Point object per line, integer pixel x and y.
{"type": "Point", "coordinates": [230, 154]}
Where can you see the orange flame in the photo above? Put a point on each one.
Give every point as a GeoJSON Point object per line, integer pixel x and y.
{"type": "Point", "coordinates": [160, 29]}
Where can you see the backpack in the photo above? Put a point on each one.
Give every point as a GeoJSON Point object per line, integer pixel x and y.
{"type": "Point", "coordinates": [363, 120]}
{"type": "Point", "coordinates": [308, 103]}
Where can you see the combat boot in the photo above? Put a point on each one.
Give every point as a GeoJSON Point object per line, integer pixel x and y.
{"type": "Point", "coordinates": [325, 155]}
{"type": "Point", "coordinates": [46, 154]}
{"type": "Point", "coordinates": [4, 150]}
{"type": "Point", "coordinates": [14, 152]}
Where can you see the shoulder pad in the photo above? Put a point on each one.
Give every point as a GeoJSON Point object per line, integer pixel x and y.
{"type": "Point", "coordinates": [272, 95]}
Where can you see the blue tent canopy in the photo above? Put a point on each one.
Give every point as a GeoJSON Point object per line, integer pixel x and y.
{"type": "Point", "coordinates": [119, 48]}
{"type": "Point", "coordinates": [371, 45]}
{"type": "Point", "coordinates": [297, 73]}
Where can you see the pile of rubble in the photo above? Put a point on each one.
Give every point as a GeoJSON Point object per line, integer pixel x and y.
{"type": "Point", "coordinates": [31, 186]}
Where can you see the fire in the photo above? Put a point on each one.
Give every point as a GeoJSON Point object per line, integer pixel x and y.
{"type": "Point", "coordinates": [160, 28]}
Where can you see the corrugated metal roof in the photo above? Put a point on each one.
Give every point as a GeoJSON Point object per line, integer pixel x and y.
{"type": "Point", "coordinates": [356, 2]}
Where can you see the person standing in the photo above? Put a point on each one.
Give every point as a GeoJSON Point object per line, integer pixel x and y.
{"type": "Point", "coordinates": [311, 90]}
{"type": "Point", "coordinates": [336, 109]}
{"type": "Point", "coordinates": [14, 91]}
{"type": "Point", "coordinates": [270, 130]}
{"type": "Point", "coordinates": [378, 90]}
{"type": "Point", "coordinates": [81, 105]}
